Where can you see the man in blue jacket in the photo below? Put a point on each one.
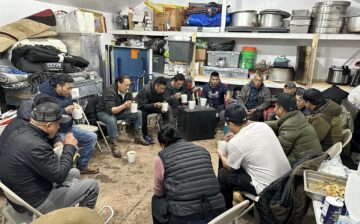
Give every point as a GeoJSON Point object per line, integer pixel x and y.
{"type": "Point", "coordinates": [60, 88]}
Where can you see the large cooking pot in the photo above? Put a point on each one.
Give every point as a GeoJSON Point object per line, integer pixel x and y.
{"type": "Point", "coordinates": [244, 18]}
{"type": "Point", "coordinates": [272, 18]}
{"type": "Point", "coordinates": [75, 215]}
{"type": "Point", "coordinates": [281, 74]}
{"type": "Point", "coordinates": [338, 75]}
{"type": "Point", "coordinates": [353, 24]}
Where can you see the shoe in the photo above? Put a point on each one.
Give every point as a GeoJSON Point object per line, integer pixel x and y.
{"type": "Point", "coordinates": [138, 138]}
{"type": "Point", "coordinates": [149, 139]}
{"type": "Point", "coordinates": [113, 145]}
{"type": "Point", "coordinates": [90, 171]}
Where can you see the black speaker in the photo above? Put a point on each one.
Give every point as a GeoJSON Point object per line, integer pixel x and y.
{"type": "Point", "coordinates": [197, 124]}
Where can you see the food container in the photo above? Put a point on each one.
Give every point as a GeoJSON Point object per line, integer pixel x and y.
{"type": "Point", "coordinates": [272, 18]}
{"type": "Point", "coordinates": [315, 182]}
{"type": "Point", "coordinates": [248, 56]}
{"type": "Point", "coordinates": [281, 74]}
{"type": "Point", "coordinates": [180, 50]}
{"type": "Point", "coordinates": [228, 59]}
{"type": "Point", "coordinates": [353, 24]}
{"type": "Point", "coordinates": [245, 18]}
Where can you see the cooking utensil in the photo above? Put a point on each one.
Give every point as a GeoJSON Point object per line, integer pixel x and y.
{"type": "Point", "coordinates": [315, 29]}
{"type": "Point", "coordinates": [353, 24]}
{"type": "Point", "coordinates": [272, 18]}
{"type": "Point", "coordinates": [244, 18]}
{"type": "Point", "coordinates": [314, 182]}
{"type": "Point", "coordinates": [355, 79]}
{"type": "Point", "coordinates": [281, 74]}
{"type": "Point", "coordinates": [338, 75]}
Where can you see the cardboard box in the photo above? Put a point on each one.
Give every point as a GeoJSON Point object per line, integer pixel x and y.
{"type": "Point", "coordinates": [171, 19]}
{"type": "Point", "coordinates": [200, 55]}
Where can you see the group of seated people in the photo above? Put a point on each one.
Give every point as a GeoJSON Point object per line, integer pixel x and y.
{"type": "Point", "coordinates": [258, 153]}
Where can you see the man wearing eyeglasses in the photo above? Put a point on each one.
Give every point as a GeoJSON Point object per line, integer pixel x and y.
{"type": "Point", "coordinates": [30, 168]}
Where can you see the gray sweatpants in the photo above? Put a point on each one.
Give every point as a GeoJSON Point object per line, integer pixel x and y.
{"type": "Point", "coordinates": [70, 192]}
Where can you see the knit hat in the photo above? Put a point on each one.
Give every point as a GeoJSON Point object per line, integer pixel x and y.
{"type": "Point", "coordinates": [314, 96]}
{"type": "Point", "coordinates": [235, 114]}
{"type": "Point", "coordinates": [49, 112]}
{"type": "Point", "coordinates": [287, 101]}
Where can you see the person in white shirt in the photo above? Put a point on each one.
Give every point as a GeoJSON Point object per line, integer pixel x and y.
{"type": "Point", "coordinates": [254, 157]}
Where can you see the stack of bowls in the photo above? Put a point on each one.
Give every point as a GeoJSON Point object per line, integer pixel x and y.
{"type": "Point", "coordinates": [328, 16]}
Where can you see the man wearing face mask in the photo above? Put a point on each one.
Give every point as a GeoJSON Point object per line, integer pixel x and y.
{"type": "Point", "coordinates": [30, 168]}
{"type": "Point", "coordinates": [60, 89]}
{"type": "Point", "coordinates": [255, 97]}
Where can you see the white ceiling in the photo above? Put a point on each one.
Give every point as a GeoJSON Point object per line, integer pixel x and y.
{"type": "Point", "coordinates": [97, 5]}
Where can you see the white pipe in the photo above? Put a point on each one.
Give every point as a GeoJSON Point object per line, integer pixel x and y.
{"type": "Point", "coordinates": [223, 16]}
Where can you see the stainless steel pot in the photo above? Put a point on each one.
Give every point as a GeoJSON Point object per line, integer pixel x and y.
{"type": "Point", "coordinates": [353, 25]}
{"type": "Point", "coordinates": [245, 18]}
{"type": "Point", "coordinates": [272, 18]}
{"type": "Point", "coordinates": [281, 74]}
{"type": "Point", "coordinates": [338, 75]}
{"type": "Point", "coordinates": [316, 29]}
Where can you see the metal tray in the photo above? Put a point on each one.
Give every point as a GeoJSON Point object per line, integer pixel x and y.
{"type": "Point", "coordinates": [314, 180]}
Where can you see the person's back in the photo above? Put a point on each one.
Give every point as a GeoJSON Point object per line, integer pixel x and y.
{"type": "Point", "coordinates": [186, 187]}
{"type": "Point", "coordinates": [297, 137]}
{"type": "Point", "coordinates": [260, 154]}
{"type": "Point", "coordinates": [327, 123]}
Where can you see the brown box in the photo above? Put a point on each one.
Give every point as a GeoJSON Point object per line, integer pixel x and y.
{"type": "Point", "coordinates": [200, 55]}
{"type": "Point", "coordinates": [171, 19]}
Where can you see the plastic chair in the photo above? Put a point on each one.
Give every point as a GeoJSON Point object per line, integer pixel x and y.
{"type": "Point", "coordinates": [11, 215]}
{"type": "Point", "coordinates": [232, 214]}
{"type": "Point", "coordinates": [346, 137]}
{"type": "Point", "coordinates": [88, 127]}
{"type": "Point", "coordinates": [335, 150]}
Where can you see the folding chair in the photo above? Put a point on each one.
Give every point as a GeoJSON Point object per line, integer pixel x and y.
{"type": "Point", "coordinates": [88, 127]}
{"type": "Point", "coordinates": [335, 150]}
{"type": "Point", "coordinates": [233, 214]}
{"type": "Point", "coordinates": [346, 137]}
{"type": "Point", "coordinates": [11, 215]}
{"type": "Point", "coordinates": [122, 129]}
{"type": "Point", "coordinates": [156, 117]}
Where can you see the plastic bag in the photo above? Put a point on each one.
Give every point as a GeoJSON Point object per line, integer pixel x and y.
{"type": "Point", "coordinates": [202, 19]}
{"type": "Point", "coordinates": [334, 167]}
{"type": "Point", "coordinates": [354, 97]}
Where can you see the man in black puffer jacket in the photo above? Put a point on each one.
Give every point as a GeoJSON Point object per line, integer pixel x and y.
{"type": "Point", "coordinates": [185, 186]}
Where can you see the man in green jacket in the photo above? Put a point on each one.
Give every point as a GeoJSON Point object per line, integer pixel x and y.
{"type": "Point", "coordinates": [324, 117]}
{"type": "Point", "coordinates": [297, 137]}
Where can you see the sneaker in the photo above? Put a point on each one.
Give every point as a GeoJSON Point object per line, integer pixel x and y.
{"type": "Point", "coordinates": [149, 139]}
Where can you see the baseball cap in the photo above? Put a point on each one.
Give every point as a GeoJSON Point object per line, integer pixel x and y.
{"type": "Point", "coordinates": [314, 96]}
{"type": "Point", "coordinates": [49, 112]}
{"type": "Point", "coordinates": [290, 85]}
{"type": "Point", "coordinates": [235, 114]}
{"type": "Point", "coordinates": [287, 101]}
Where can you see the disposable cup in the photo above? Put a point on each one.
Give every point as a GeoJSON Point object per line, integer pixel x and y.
{"type": "Point", "coordinates": [192, 105]}
{"type": "Point", "coordinates": [203, 102]}
{"type": "Point", "coordinates": [134, 107]}
{"type": "Point", "coordinates": [131, 155]}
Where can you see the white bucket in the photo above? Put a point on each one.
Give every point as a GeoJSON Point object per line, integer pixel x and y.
{"type": "Point", "coordinates": [164, 107]}
{"type": "Point", "coordinates": [192, 105]}
{"type": "Point", "coordinates": [183, 98]}
{"type": "Point", "coordinates": [131, 155]}
{"type": "Point", "coordinates": [222, 147]}
{"type": "Point", "coordinates": [203, 102]}
{"type": "Point", "coordinates": [77, 113]}
{"type": "Point", "coordinates": [134, 108]}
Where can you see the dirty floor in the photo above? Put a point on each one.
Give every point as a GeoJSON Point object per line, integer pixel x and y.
{"type": "Point", "coordinates": [128, 187]}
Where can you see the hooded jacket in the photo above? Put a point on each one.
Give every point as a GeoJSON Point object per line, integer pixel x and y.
{"type": "Point", "coordinates": [327, 123]}
{"type": "Point", "coordinates": [264, 96]}
{"type": "Point", "coordinates": [297, 137]}
{"type": "Point", "coordinates": [47, 89]}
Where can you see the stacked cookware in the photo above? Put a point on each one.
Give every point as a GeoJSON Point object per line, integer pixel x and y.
{"type": "Point", "coordinates": [328, 16]}
{"type": "Point", "coordinates": [300, 21]}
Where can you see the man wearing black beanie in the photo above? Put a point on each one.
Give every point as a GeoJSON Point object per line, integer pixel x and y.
{"type": "Point", "coordinates": [324, 117]}
{"type": "Point", "coordinates": [297, 137]}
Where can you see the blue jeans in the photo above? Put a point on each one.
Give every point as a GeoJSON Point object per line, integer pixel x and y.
{"type": "Point", "coordinates": [87, 140]}
{"type": "Point", "coordinates": [111, 120]}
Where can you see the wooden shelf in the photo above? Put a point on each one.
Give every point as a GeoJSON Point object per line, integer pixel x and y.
{"type": "Point", "coordinates": [320, 85]}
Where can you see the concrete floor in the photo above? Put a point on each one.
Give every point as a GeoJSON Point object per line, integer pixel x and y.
{"type": "Point", "coordinates": [128, 187]}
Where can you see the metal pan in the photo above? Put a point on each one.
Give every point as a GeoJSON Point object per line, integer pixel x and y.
{"type": "Point", "coordinates": [327, 16]}
{"type": "Point", "coordinates": [314, 182]}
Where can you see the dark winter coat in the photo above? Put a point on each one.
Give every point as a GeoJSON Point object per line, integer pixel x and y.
{"type": "Point", "coordinates": [111, 98]}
